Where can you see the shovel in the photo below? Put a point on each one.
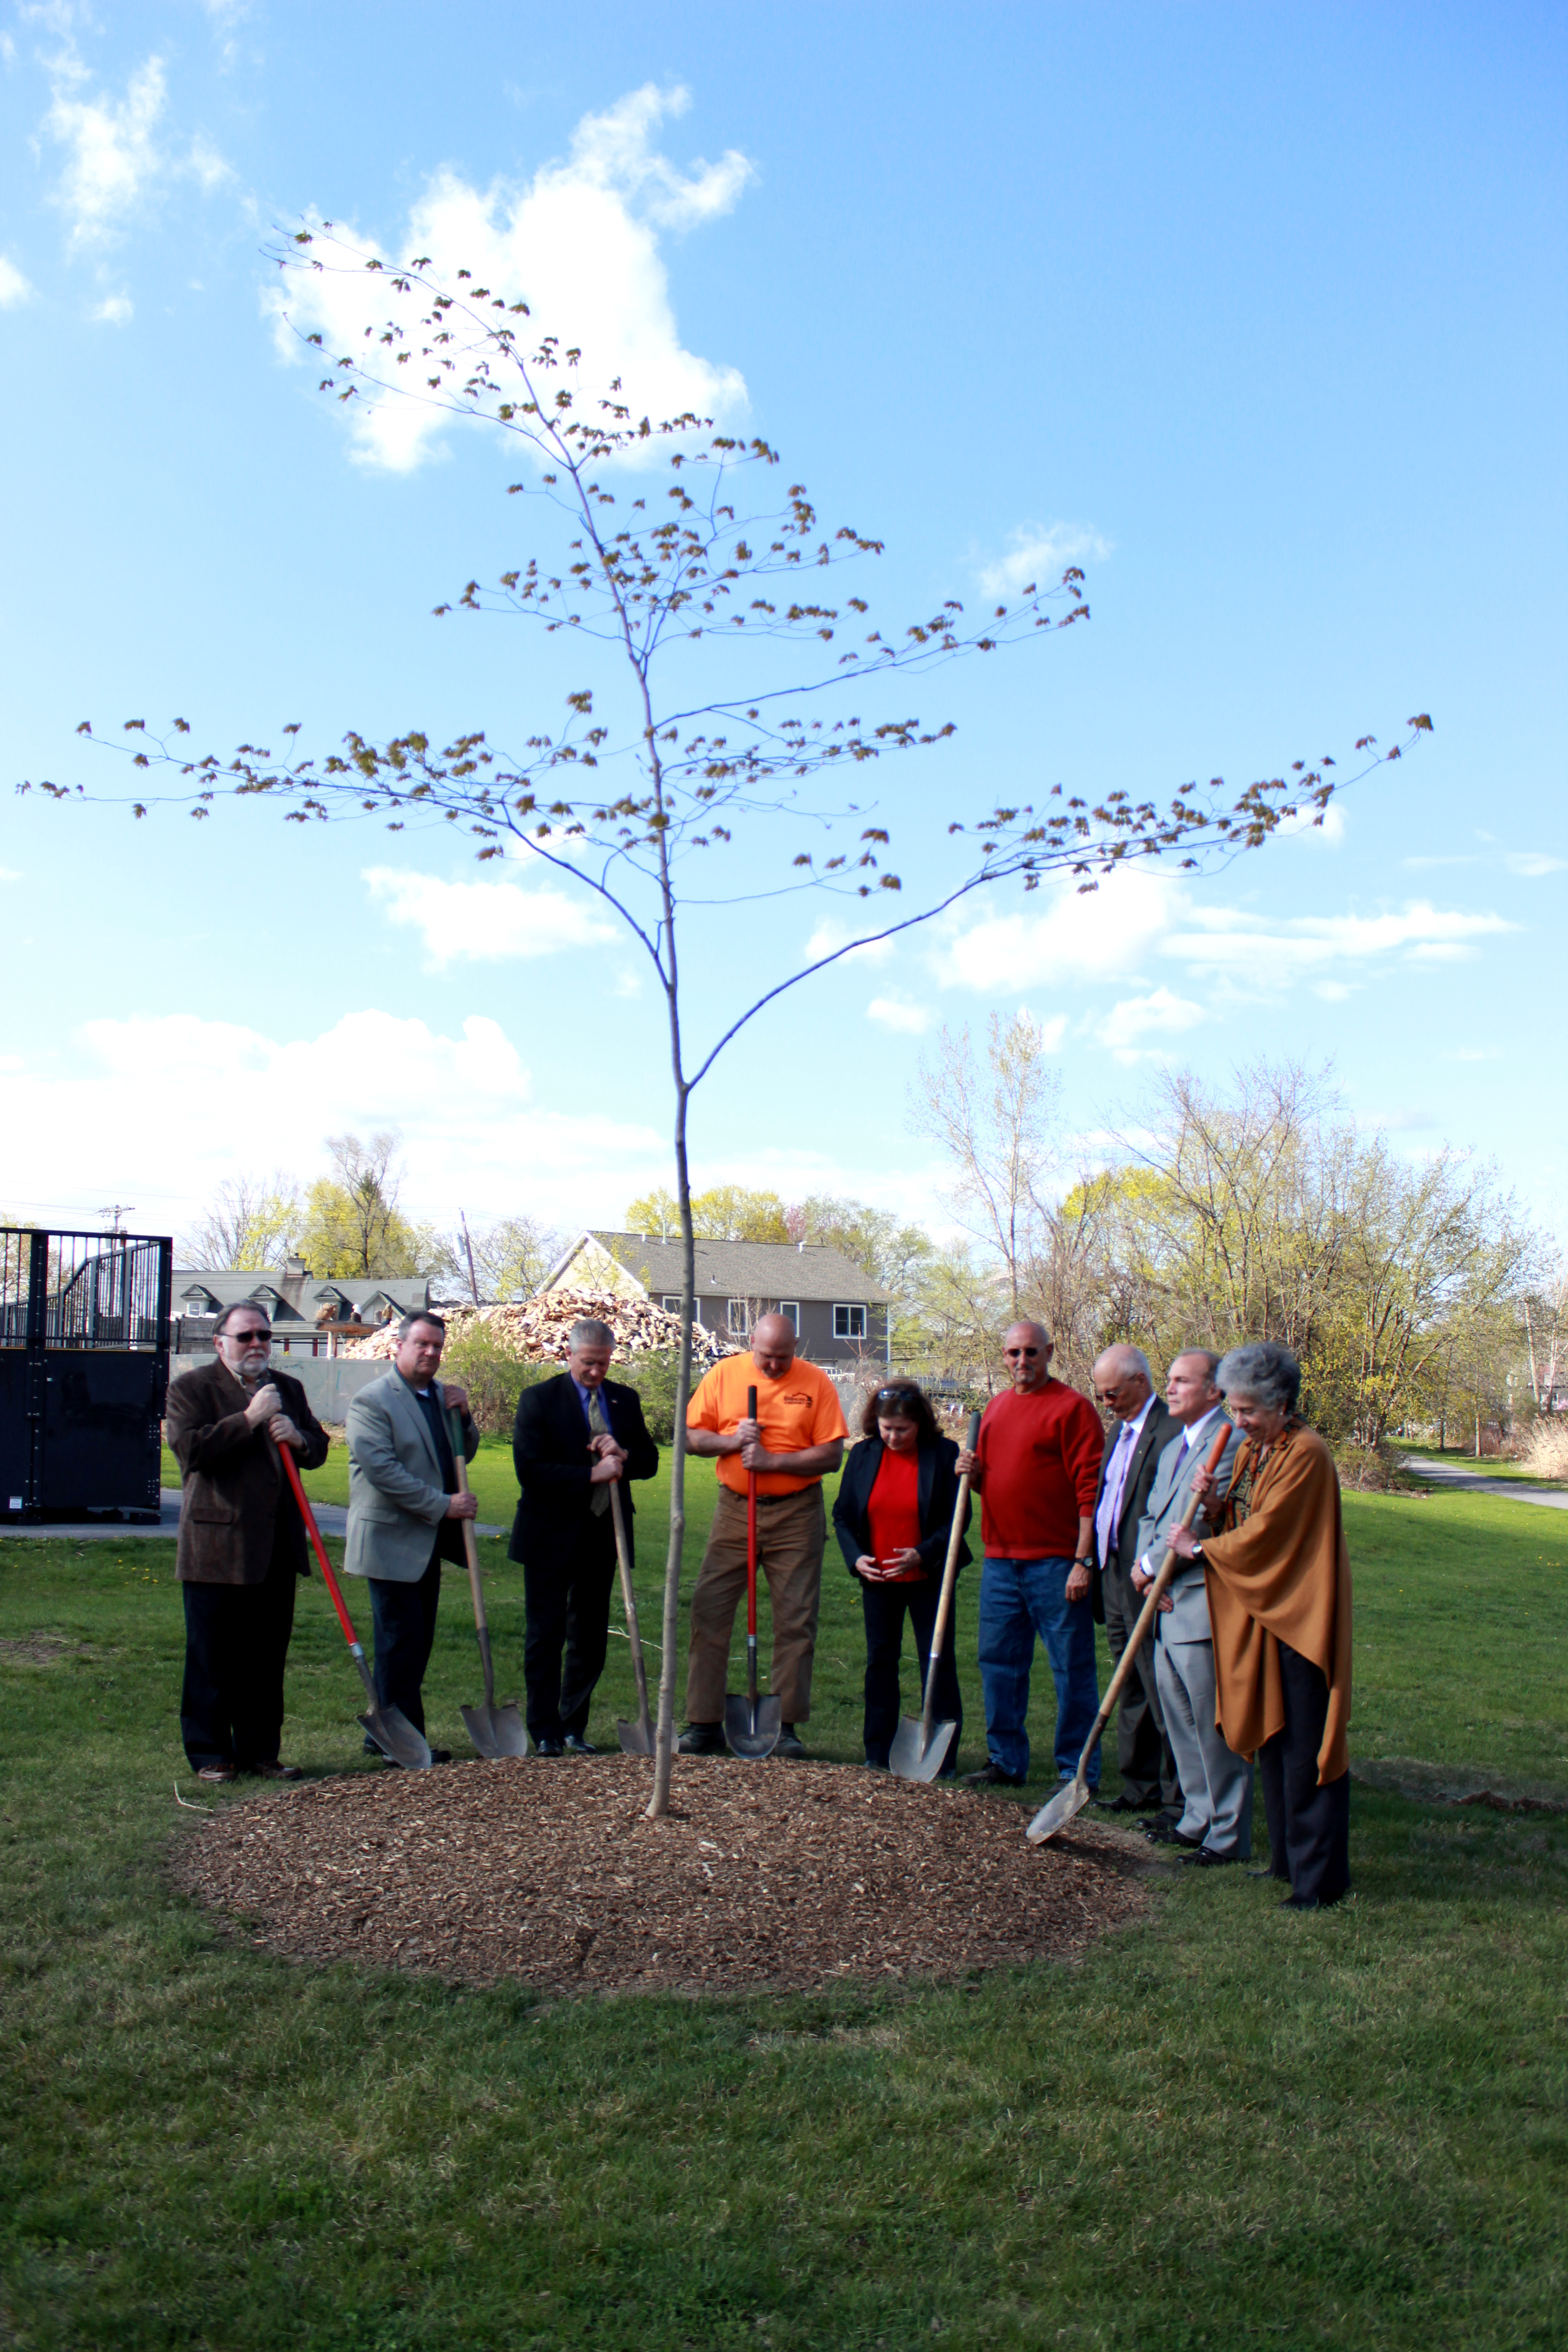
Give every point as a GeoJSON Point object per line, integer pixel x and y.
{"type": "Point", "coordinates": [1075, 1796]}
{"type": "Point", "coordinates": [751, 1725]}
{"type": "Point", "coordinates": [495, 1731]}
{"type": "Point", "coordinates": [919, 1749]}
{"type": "Point", "coordinates": [387, 1726]}
{"type": "Point", "coordinates": [635, 1739]}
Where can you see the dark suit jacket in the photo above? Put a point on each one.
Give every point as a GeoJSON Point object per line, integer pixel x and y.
{"type": "Point", "coordinates": [236, 1499]}
{"type": "Point", "coordinates": [550, 1448]}
{"type": "Point", "coordinates": [1156, 1434]}
{"type": "Point", "coordinates": [937, 1497]}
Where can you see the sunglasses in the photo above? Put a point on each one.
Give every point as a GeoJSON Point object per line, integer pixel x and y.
{"type": "Point", "coordinates": [1010, 1352]}
{"type": "Point", "coordinates": [255, 1332]}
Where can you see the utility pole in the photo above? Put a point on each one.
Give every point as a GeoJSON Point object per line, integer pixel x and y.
{"type": "Point", "coordinates": [118, 1210]}
{"type": "Point", "coordinates": [467, 1244]}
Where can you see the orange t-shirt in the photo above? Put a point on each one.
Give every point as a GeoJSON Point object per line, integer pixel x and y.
{"type": "Point", "coordinates": [799, 1411]}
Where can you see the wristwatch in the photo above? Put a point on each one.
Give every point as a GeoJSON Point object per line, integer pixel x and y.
{"type": "Point", "coordinates": [1083, 1563]}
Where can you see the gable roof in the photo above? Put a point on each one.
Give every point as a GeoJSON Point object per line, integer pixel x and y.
{"type": "Point", "coordinates": [299, 1297]}
{"type": "Point", "coordinates": [724, 1269]}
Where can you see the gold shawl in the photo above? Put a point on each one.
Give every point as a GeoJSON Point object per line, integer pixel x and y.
{"type": "Point", "coordinates": [1282, 1574]}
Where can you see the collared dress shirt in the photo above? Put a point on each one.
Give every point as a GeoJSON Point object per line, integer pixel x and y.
{"type": "Point", "coordinates": [1108, 1519]}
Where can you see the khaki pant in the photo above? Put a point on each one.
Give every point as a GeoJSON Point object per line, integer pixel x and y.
{"type": "Point", "coordinates": [791, 1531]}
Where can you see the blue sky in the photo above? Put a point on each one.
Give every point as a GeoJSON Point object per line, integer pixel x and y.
{"type": "Point", "coordinates": [1258, 313]}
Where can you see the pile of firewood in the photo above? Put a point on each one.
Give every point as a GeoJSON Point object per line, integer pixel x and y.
{"type": "Point", "coordinates": [536, 1331]}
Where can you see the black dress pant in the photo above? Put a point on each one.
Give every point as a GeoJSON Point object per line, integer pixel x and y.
{"type": "Point", "coordinates": [1309, 1826]}
{"type": "Point", "coordinates": [404, 1617]}
{"type": "Point", "coordinates": [568, 1605]}
{"type": "Point", "coordinates": [236, 1640]}
{"type": "Point", "coordinates": [885, 1607]}
{"type": "Point", "coordinates": [1143, 1753]}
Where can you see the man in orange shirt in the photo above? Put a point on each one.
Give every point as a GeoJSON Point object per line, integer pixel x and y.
{"type": "Point", "coordinates": [795, 1441]}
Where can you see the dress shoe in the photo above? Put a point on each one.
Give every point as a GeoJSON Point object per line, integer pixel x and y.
{"type": "Point", "coordinates": [703, 1739]}
{"type": "Point", "coordinates": [876, 1764]}
{"type": "Point", "coordinates": [789, 1741]}
{"type": "Point", "coordinates": [215, 1771]}
{"type": "Point", "coordinates": [577, 1746]}
{"type": "Point", "coordinates": [1166, 1834]}
{"type": "Point", "coordinates": [275, 1771]}
{"type": "Point", "coordinates": [550, 1747]}
{"type": "Point", "coordinates": [1126, 1804]}
{"type": "Point", "coordinates": [1206, 1859]}
{"type": "Point", "coordinates": [991, 1776]}
{"type": "Point", "coordinates": [440, 1755]}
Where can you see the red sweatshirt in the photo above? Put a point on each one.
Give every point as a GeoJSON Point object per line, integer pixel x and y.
{"type": "Point", "coordinates": [1039, 1456]}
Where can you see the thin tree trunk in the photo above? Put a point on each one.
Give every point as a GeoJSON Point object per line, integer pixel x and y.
{"type": "Point", "coordinates": [664, 1744]}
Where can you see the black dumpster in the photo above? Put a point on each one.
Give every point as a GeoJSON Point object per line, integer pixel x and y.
{"type": "Point", "coordinates": [84, 1370]}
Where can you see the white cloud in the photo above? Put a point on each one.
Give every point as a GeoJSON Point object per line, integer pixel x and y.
{"type": "Point", "coordinates": [579, 243]}
{"type": "Point", "coordinates": [115, 310]}
{"type": "Point", "coordinates": [117, 154]}
{"type": "Point", "coordinates": [1262, 952]}
{"type": "Point", "coordinates": [161, 1110]}
{"type": "Point", "coordinates": [14, 288]}
{"type": "Point", "coordinates": [892, 1012]}
{"type": "Point", "coordinates": [1326, 825]}
{"type": "Point", "coordinates": [1532, 864]}
{"type": "Point", "coordinates": [1101, 934]}
{"type": "Point", "coordinates": [1041, 553]}
{"type": "Point", "coordinates": [475, 922]}
{"type": "Point", "coordinates": [1159, 1014]}
{"type": "Point", "coordinates": [9, 874]}
{"type": "Point", "coordinates": [829, 936]}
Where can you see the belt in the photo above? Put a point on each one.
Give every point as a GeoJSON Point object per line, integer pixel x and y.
{"type": "Point", "coordinates": [765, 1502]}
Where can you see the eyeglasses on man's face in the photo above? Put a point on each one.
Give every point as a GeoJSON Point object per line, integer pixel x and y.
{"type": "Point", "coordinates": [1011, 1352]}
{"type": "Point", "coordinates": [256, 1331]}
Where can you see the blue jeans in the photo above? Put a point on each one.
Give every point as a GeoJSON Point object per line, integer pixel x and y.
{"type": "Point", "coordinates": [1018, 1599]}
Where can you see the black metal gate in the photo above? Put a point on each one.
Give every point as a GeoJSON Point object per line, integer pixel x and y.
{"type": "Point", "coordinates": [84, 1371]}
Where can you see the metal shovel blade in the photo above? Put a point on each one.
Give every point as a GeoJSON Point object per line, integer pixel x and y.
{"type": "Point", "coordinates": [395, 1737]}
{"type": "Point", "coordinates": [913, 1756]}
{"type": "Point", "coordinates": [495, 1731]}
{"type": "Point", "coordinates": [1068, 1800]}
{"type": "Point", "coordinates": [752, 1739]}
{"type": "Point", "coordinates": [635, 1739]}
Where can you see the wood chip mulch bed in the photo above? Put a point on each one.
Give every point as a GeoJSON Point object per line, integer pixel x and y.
{"type": "Point", "coordinates": [774, 1874]}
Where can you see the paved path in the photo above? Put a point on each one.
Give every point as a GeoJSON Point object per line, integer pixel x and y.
{"type": "Point", "coordinates": [330, 1518]}
{"type": "Point", "coordinates": [1476, 1482]}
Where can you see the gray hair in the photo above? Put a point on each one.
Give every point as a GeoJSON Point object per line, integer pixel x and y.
{"type": "Point", "coordinates": [420, 1315]}
{"type": "Point", "coordinates": [1207, 1356]}
{"type": "Point", "coordinates": [1126, 1354]}
{"type": "Point", "coordinates": [589, 1333]}
{"type": "Point", "coordinates": [1264, 1374]}
{"type": "Point", "coordinates": [238, 1307]}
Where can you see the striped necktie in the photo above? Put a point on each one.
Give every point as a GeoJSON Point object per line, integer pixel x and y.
{"type": "Point", "coordinates": [598, 1496]}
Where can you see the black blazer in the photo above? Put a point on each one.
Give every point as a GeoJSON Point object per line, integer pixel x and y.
{"type": "Point", "coordinates": [1157, 1432]}
{"type": "Point", "coordinates": [237, 1503]}
{"type": "Point", "coordinates": [550, 1449]}
{"type": "Point", "coordinates": [938, 1496]}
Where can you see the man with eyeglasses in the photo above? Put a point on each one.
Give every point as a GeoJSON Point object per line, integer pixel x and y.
{"type": "Point", "coordinates": [1036, 1466]}
{"type": "Point", "coordinates": [241, 1546]}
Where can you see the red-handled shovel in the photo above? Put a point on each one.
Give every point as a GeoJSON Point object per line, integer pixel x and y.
{"type": "Point", "coordinates": [387, 1726]}
{"type": "Point", "coordinates": [1075, 1796]}
{"type": "Point", "coordinates": [751, 1725]}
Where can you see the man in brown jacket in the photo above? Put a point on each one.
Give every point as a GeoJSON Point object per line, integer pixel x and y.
{"type": "Point", "coordinates": [242, 1545]}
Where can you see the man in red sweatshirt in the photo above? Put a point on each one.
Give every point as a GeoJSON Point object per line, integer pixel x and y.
{"type": "Point", "coordinates": [1036, 1466]}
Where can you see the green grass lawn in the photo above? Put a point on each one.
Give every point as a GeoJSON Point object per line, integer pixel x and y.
{"type": "Point", "coordinates": [1229, 2126]}
{"type": "Point", "coordinates": [1489, 1466]}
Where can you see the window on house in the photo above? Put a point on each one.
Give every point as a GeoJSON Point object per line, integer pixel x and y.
{"type": "Point", "coordinates": [848, 1322]}
{"type": "Point", "coordinates": [738, 1318]}
{"type": "Point", "coordinates": [790, 1309]}
{"type": "Point", "coordinates": [671, 1305]}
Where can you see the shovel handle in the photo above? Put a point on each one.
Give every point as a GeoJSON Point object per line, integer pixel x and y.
{"type": "Point", "coordinates": [629, 1598]}
{"type": "Point", "coordinates": [949, 1579]}
{"type": "Point", "coordinates": [1146, 1615]}
{"type": "Point", "coordinates": [751, 1532]}
{"type": "Point", "coordinates": [285, 1456]}
{"type": "Point", "coordinates": [471, 1553]}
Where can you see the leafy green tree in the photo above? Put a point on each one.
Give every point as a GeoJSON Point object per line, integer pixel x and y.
{"type": "Point", "coordinates": [249, 1225]}
{"type": "Point", "coordinates": [723, 1213]}
{"type": "Point", "coordinates": [734, 675]}
{"type": "Point", "coordinates": [352, 1225]}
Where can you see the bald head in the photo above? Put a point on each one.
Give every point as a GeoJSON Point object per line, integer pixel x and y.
{"type": "Point", "coordinates": [773, 1345]}
{"type": "Point", "coordinates": [1122, 1380]}
{"type": "Point", "coordinates": [1027, 1348]}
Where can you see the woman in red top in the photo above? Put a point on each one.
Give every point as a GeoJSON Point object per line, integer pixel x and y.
{"type": "Point", "coordinates": [893, 1515]}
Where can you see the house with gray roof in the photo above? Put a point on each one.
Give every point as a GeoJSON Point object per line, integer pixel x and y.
{"type": "Point", "coordinates": [297, 1304]}
{"type": "Point", "coordinates": [839, 1314]}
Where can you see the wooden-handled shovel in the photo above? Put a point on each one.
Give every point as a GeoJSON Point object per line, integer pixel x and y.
{"type": "Point", "coordinates": [1075, 1796]}
{"type": "Point", "coordinates": [635, 1739]}
{"type": "Point", "coordinates": [495, 1731]}
{"type": "Point", "coordinates": [919, 1747]}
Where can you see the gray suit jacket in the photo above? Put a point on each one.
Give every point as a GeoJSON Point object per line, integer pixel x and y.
{"type": "Point", "coordinates": [1188, 1619]}
{"type": "Point", "coordinates": [397, 1500]}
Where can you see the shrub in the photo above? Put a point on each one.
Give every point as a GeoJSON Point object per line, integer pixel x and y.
{"type": "Point", "coordinates": [1545, 1449]}
{"type": "Point", "coordinates": [1371, 1469]}
{"type": "Point", "coordinates": [653, 1377]}
{"type": "Point", "coordinates": [493, 1376]}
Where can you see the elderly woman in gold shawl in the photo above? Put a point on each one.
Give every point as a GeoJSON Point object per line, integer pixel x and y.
{"type": "Point", "coordinates": [1278, 1583]}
